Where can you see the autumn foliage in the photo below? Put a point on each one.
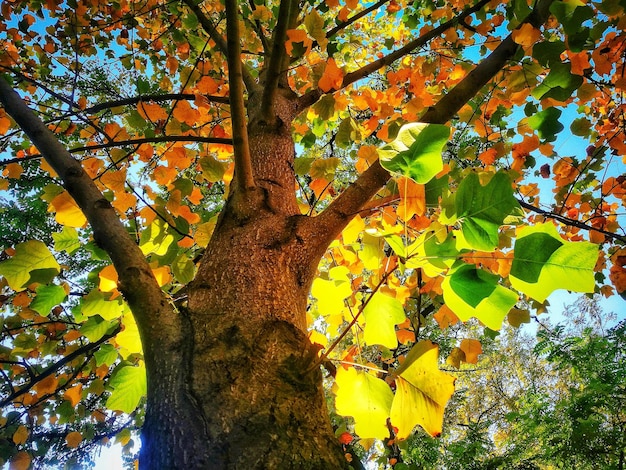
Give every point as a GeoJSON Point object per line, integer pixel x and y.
{"type": "Point", "coordinates": [445, 162]}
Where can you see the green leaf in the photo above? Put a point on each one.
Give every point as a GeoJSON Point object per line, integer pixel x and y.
{"type": "Point", "coordinates": [382, 313]}
{"type": "Point", "coordinates": [184, 269]}
{"type": "Point", "coordinates": [212, 170]}
{"type": "Point", "coordinates": [347, 133]}
{"type": "Point", "coordinates": [367, 399]}
{"type": "Point", "coordinates": [470, 292]}
{"type": "Point", "coordinates": [416, 151]}
{"type": "Point", "coordinates": [129, 386]}
{"type": "Point", "coordinates": [32, 262]}
{"type": "Point", "coordinates": [95, 328]}
{"type": "Point", "coordinates": [156, 238]}
{"type": "Point", "coordinates": [107, 354]}
{"type": "Point", "coordinates": [98, 303]}
{"type": "Point", "coordinates": [66, 240]}
{"type": "Point", "coordinates": [422, 392]}
{"type": "Point", "coordinates": [482, 209]}
{"type": "Point", "coordinates": [47, 298]}
{"type": "Point", "coordinates": [546, 123]}
{"type": "Point", "coordinates": [543, 262]}
{"type": "Point", "coordinates": [571, 15]}
{"type": "Point", "coordinates": [559, 84]}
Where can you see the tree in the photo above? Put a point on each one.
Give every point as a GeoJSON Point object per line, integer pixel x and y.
{"type": "Point", "coordinates": [143, 114]}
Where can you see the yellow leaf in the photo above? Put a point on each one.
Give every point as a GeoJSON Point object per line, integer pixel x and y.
{"type": "Point", "coordinates": [108, 279]}
{"type": "Point", "coordinates": [128, 339]}
{"type": "Point", "coordinates": [67, 211]}
{"type": "Point", "coordinates": [472, 348]}
{"type": "Point", "coordinates": [330, 294]}
{"type": "Point", "coordinates": [456, 357]}
{"type": "Point", "coordinates": [73, 439]}
{"type": "Point", "coordinates": [162, 275]}
{"type": "Point", "coordinates": [353, 230]}
{"type": "Point", "coordinates": [114, 180]}
{"type": "Point", "coordinates": [21, 461]}
{"type": "Point", "coordinates": [21, 435]}
{"type": "Point", "coordinates": [367, 399]}
{"type": "Point", "coordinates": [332, 78]}
{"type": "Point", "coordinates": [422, 392]}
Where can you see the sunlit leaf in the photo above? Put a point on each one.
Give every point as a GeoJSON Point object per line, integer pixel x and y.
{"type": "Point", "coordinates": [471, 292]}
{"type": "Point", "coordinates": [29, 257]}
{"type": "Point", "coordinates": [67, 211]}
{"type": "Point", "coordinates": [47, 298]}
{"type": "Point", "coordinates": [416, 151]}
{"type": "Point", "coordinates": [422, 391]}
{"type": "Point", "coordinates": [543, 262]}
{"type": "Point", "coordinates": [367, 399]}
{"type": "Point", "coordinates": [382, 314]}
{"type": "Point", "coordinates": [129, 386]}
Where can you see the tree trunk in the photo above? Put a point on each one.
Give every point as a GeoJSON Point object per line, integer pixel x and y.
{"type": "Point", "coordinates": [242, 392]}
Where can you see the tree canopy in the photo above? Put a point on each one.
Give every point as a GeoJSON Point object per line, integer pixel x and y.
{"type": "Point", "coordinates": [206, 204]}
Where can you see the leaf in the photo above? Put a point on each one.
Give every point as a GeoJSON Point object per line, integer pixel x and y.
{"type": "Point", "coordinates": [518, 316]}
{"type": "Point", "coordinates": [422, 391]}
{"type": "Point", "coordinates": [482, 209]}
{"type": "Point", "coordinates": [47, 298]}
{"type": "Point", "coordinates": [559, 84]}
{"type": "Point", "coordinates": [74, 395]}
{"type": "Point", "coordinates": [156, 239]}
{"type": "Point", "coordinates": [330, 294]}
{"type": "Point", "coordinates": [98, 303]}
{"type": "Point", "coordinates": [416, 151]}
{"type": "Point", "coordinates": [470, 292]}
{"type": "Point", "coordinates": [29, 257]}
{"type": "Point", "coordinates": [332, 78]}
{"type": "Point", "coordinates": [20, 435]}
{"type": "Point", "coordinates": [129, 386]}
{"type": "Point", "coordinates": [106, 354]}
{"type": "Point", "coordinates": [367, 399]}
{"type": "Point", "coordinates": [543, 262]}
{"type": "Point", "coordinates": [66, 240]}
{"type": "Point", "coordinates": [128, 339]}
{"type": "Point", "coordinates": [382, 314]}
{"type": "Point", "coordinates": [21, 461]}
{"type": "Point", "coordinates": [547, 124]}
{"type": "Point", "coordinates": [472, 349]}
{"type": "Point", "coordinates": [95, 328]}
{"type": "Point", "coordinates": [73, 439]}
{"type": "Point", "coordinates": [67, 211]}
{"type": "Point", "coordinates": [526, 35]}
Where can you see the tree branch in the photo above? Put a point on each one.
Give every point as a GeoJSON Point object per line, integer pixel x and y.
{"type": "Point", "coordinates": [571, 222]}
{"type": "Point", "coordinates": [243, 161]}
{"type": "Point", "coordinates": [136, 281]}
{"type": "Point", "coordinates": [144, 140]}
{"type": "Point", "coordinates": [354, 18]}
{"type": "Point", "coordinates": [278, 56]}
{"type": "Point", "coordinates": [313, 96]}
{"type": "Point", "coordinates": [337, 215]}
{"type": "Point", "coordinates": [220, 42]}
{"type": "Point", "coordinates": [57, 365]}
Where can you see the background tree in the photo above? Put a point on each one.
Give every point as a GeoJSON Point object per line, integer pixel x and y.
{"type": "Point", "coordinates": [166, 134]}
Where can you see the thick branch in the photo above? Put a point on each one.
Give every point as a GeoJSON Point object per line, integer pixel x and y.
{"type": "Point", "coordinates": [336, 216]}
{"type": "Point", "coordinates": [220, 42]}
{"type": "Point", "coordinates": [137, 282]}
{"type": "Point", "coordinates": [277, 61]}
{"type": "Point", "coordinates": [243, 161]}
{"type": "Point", "coordinates": [311, 97]}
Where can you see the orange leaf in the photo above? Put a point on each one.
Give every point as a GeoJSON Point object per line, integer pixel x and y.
{"type": "Point", "coordinates": [21, 435]}
{"type": "Point", "coordinates": [151, 111]}
{"type": "Point", "coordinates": [185, 113]}
{"type": "Point", "coordinates": [526, 35]}
{"type": "Point", "coordinates": [108, 279]}
{"type": "Point", "coordinates": [488, 157]}
{"type": "Point", "coordinates": [21, 461]}
{"type": "Point", "coordinates": [73, 395]}
{"type": "Point", "coordinates": [445, 317]}
{"type": "Point", "coordinates": [412, 199]}
{"type": "Point", "coordinates": [332, 78]}
{"type": "Point", "coordinates": [47, 385]}
{"type": "Point", "coordinates": [162, 275]}
{"type": "Point", "coordinates": [472, 348]}
{"type": "Point", "coordinates": [295, 36]}
{"type": "Point", "coordinates": [73, 439]}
